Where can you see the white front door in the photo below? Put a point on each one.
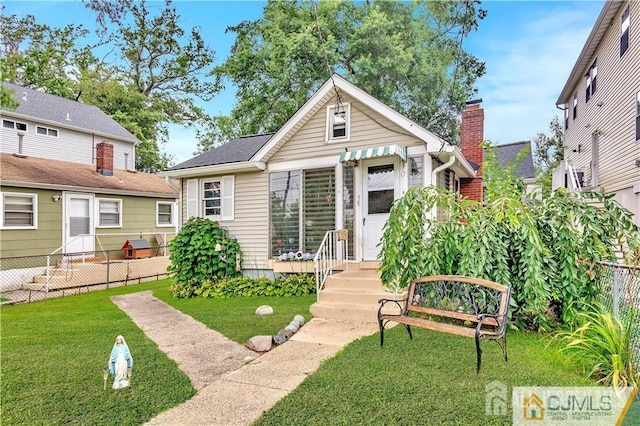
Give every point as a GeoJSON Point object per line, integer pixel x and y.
{"type": "Point", "coordinates": [380, 184]}
{"type": "Point", "coordinates": [78, 223]}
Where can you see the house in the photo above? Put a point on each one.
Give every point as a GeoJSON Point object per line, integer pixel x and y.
{"type": "Point", "coordinates": [519, 156]}
{"type": "Point", "coordinates": [601, 103]}
{"type": "Point", "coordinates": [338, 163]}
{"type": "Point", "coordinates": [67, 181]}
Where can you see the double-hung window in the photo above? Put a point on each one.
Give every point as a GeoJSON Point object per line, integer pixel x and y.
{"type": "Point", "coordinates": [109, 213]}
{"type": "Point", "coordinates": [19, 211]}
{"type": "Point", "coordinates": [625, 21]}
{"type": "Point", "coordinates": [591, 77]}
{"type": "Point", "coordinates": [165, 214]}
{"type": "Point", "coordinates": [218, 198]}
{"type": "Point", "coordinates": [338, 122]}
{"type": "Point", "coordinates": [566, 118]}
{"type": "Point", "coordinates": [575, 105]}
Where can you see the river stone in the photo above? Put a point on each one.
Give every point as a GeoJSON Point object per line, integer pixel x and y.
{"type": "Point", "coordinates": [260, 343]}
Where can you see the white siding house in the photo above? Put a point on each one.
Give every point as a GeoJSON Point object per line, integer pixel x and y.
{"type": "Point", "coordinates": [601, 99]}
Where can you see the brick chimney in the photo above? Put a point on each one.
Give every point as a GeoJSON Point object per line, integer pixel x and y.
{"type": "Point", "coordinates": [471, 138]}
{"type": "Point", "coordinates": [104, 158]}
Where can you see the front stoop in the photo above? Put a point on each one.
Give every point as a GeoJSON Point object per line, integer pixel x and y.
{"type": "Point", "coordinates": [352, 295]}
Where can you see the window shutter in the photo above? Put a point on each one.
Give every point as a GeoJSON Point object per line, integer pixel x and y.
{"type": "Point", "coordinates": [192, 198]}
{"type": "Point", "coordinates": [227, 197]}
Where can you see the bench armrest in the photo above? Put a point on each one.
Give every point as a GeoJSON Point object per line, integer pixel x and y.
{"type": "Point", "coordinates": [500, 319]}
{"type": "Point", "coordinates": [399, 303]}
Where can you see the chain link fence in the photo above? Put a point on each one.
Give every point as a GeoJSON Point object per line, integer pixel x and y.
{"type": "Point", "coordinates": [621, 294]}
{"type": "Point", "coordinates": [31, 278]}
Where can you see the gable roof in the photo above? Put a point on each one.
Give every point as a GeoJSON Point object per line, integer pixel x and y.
{"type": "Point", "coordinates": [236, 150]}
{"type": "Point", "coordinates": [604, 21]}
{"type": "Point", "coordinates": [32, 172]}
{"type": "Point", "coordinates": [506, 154]}
{"type": "Point", "coordinates": [326, 92]}
{"type": "Point", "coordinates": [62, 112]}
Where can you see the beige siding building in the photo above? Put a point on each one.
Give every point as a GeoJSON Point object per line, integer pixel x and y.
{"type": "Point", "coordinates": [338, 163]}
{"type": "Point", "coordinates": [601, 102]}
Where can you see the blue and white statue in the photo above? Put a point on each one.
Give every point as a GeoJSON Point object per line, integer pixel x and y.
{"type": "Point", "coordinates": [120, 364]}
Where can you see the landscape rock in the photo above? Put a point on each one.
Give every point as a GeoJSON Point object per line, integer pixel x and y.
{"type": "Point", "coordinates": [260, 343]}
{"type": "Point", "coordinates": [264, 310]}
{"type": "Point", "coordinates": [299, 319]}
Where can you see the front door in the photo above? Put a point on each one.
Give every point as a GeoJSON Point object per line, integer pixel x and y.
{"type": "Point", "coordinates": [78, 223]}
{"type": "Point", "coordinates": [380, 184]}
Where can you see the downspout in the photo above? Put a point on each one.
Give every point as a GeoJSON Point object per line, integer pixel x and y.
{"type": "Point", "coordinates": [438, 169]}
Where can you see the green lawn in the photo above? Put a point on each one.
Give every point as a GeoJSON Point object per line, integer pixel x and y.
{"type": "Point", "coordinates": [53, 354]}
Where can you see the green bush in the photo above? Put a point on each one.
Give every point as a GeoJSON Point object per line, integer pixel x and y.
{"type": "Point", "coordinates": [290, 285]}
{"type": "Point", "coordinates": [547, 250]}
{"type": "Point", "coordinates": [203, 251]}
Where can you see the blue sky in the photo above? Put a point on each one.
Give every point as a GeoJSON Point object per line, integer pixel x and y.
{"type": "Point", "coordinates": [529, 48]}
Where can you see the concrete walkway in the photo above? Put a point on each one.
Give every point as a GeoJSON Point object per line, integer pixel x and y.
{"type": "Point", "coordinates": [231, 392]}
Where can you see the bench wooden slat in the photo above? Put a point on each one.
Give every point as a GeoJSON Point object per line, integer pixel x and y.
{"type": "Point", "coordinates": [449, 314]}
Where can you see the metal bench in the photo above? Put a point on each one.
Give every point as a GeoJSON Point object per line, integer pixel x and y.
{"type": "Point", "coordinates": [454, 304]}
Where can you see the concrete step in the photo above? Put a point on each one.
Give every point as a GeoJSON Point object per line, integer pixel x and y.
{"type": "Point", "coordinates": [354, 279]}
{"type": "Point", "coordinates": [344, 311]}
{"type": "Point", "coordinates": [362, 297]}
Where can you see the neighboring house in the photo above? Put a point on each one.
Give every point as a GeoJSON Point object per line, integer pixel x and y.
{"type": "Point", "coordinates": [601, 102]}
{"type": "Point", "coordinates": [517, 154]}
{"type": "Point", "coordinates": [66, 174]}
{"type": "Point", "coordinates": [338, 163]}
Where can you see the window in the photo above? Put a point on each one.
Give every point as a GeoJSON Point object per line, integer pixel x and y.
{"type": "Point", "coordinates": [217, 198]}
{"type": "Point", "coordinates": [8, 124]}
{"type": "Point", "coordinates": [164, 214]}
{"type": "Point", "coordinates": [416, 171]}
{"type": "Point", "coordinates": [624, 30]}
{"type": "Point", "coordinates": [575, 105]}
{"type": "Point", "coordinates": [302, 209]}
{"type": "Point", "coordinates": [19, 210]}
{"type": "Point", "coordinates": [591, 81]}
{"type": "Point", "coordinates": [338, 120]}
{"type": "Point", "coordinates": [109, 213]}
{"type": "Point", "coordinates": [46, 131]}
{"type": "Point", "coordinates": [638, 116]}
{"type": "Point", "coordinates": [566, 118]}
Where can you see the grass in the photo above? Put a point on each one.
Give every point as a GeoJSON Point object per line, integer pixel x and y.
{"type": "Point", "coordinates": [53, 354]}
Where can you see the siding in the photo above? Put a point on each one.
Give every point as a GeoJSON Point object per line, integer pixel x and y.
{"type": "Point", "coordinates": [138, 216]}
{"type": "Point", "coordinates": [70, 145]}
{"type": "Point", "coordinates": [43, 240]}
{"type": "Point", "coordinates": [365, 132]}
{"type": "Point", "coordinates": [618, 81]}
{"type": "Point", "coordinates": [251, 216]}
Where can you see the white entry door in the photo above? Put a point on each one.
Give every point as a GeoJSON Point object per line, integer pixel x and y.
{"type": "Point", "coordinates": [78, 223]}
{"type": "Point", "coordinates": [380, 184]}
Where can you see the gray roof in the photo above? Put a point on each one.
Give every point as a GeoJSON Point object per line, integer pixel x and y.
{"type": "Point", "coordinates": [506, 155]}
{"type": "Point", "coordinates": [66, 112]}
{"type": "Point", "coordinates": [234, 151]}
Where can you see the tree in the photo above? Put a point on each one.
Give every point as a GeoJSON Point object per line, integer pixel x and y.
{"type": "Point", "coordinates": [546, 250]}
{"type": "Point", "coordinates": [408, 55]}
{"type": "Point", "coordinates": [549, 152]}
{"type": "Point", "coordinates": [149, 79]}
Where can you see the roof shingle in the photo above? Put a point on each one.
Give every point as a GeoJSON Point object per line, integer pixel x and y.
{"type": "Point", "coordinates": [506, 155]}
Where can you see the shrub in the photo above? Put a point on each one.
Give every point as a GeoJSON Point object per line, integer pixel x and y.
{"type": "Point", "coordinates": [203, 251]}
{"type": "Point", "coordinates": [290, 285]}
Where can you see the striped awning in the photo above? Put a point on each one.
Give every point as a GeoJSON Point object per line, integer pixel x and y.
{"type": "Point", "coordinates": [382, 151]}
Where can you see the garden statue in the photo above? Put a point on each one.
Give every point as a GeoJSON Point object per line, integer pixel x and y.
{"type": "Point", "coordinates": [120, 364]}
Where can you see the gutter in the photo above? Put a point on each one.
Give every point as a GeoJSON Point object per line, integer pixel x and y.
{"type": "Point", "coordinates": [452, 159]}
{"type": "Point", "coordinates": [241, 167]}
{"type": "Point", "coordinates": [456, 154]}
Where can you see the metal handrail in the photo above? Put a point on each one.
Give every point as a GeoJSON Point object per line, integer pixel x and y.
{"type": "Point", "coordinates": [575, 182]}
{"type": "Point", "coordinates": [330, 254]}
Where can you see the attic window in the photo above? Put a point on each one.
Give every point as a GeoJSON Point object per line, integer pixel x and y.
{"type": "Point", "coordinates": [338, 122]}
{"type": "Point", "coordinates": [8, 124]}
{"type": "Point", "coordinates": [624, 31]}
{"type": "Point", "coordinates": [46, 131]}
